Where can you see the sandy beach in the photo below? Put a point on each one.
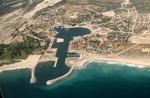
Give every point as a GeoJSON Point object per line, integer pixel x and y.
{"type": "Point", "coordinates": [130, 61]}
{"type": "Point", "coordinates": [85, 58]}
{"type": "Point", "coordinates": [30, 62]}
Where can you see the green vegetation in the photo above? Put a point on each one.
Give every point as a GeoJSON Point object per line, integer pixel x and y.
{"type": "Point", "coordinates": [20, 50]}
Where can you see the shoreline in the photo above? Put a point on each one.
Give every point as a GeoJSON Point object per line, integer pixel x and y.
{"type": "Point", "coordinates": [81, 63]}
{"type": "Point", "coordinates": [99, 58]}
{"type": "Point", "coordinates": [33, 60]}
{"type": "Point", "coordinates": [86, 62]}
{"type": "Point", "coordinates": [30, 62]}
{"type": "Point", "coordinates": [111, 59]}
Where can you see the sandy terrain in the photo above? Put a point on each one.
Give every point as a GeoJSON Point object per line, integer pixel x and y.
{"type": "Point", "coordinates": [42, 5]}
{"type": "Point", "coordinates": [30, 62]}
{"type": "Point", "coordinates": [109, 13]}
{"type": "Point", "coordinates": [111, 59]}
{"type": "Point", "coordinates": [134, 62]}
{"type": "Point", "coordinates": [143, 38]}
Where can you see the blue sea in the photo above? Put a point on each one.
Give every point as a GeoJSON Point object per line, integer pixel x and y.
{"type": "Point", "coordinates": [97, 80]}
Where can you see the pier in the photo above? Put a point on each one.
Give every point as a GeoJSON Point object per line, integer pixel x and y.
{"type": "Point", "coordinates": [58, 52]}
{"type": "Point", "coordinates": [50, 82]}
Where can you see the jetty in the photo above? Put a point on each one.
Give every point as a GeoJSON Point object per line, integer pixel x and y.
{"type": "Point", "coordinates": [50, 82]}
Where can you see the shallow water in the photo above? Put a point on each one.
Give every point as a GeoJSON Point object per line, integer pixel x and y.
{"type": "Point", "coordinates": [97, 80]}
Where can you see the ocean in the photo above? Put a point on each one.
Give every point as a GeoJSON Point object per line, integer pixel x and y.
{"type": "Point", "coordinates": [97, 80]}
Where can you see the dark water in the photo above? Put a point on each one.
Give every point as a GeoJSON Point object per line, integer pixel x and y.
{"type": "Point", "coordinates": [43, 73]}
{"type": "Point", "coordinates": [15, 84]}
{"type": "Point", "coordinates": [98, 80]}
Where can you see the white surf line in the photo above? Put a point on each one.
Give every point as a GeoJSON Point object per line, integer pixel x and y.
{"type": "Point", "coordinates": [126, 49]}
{"type": "Point", "coordinates": [29, 63]}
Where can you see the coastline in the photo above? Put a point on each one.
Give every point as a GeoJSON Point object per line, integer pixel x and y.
{"type": "Point", "coordinates": [33, 60]}
{"type": "Point", "coordinates": [81, 63]}
{"type": "Point", "coordinates": [30, 63]}
{"type": "Point", "coordinates": [111, 59]}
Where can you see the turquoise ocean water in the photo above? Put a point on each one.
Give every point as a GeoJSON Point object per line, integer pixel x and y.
{"type": "Point", "coordinates": [97, 80]}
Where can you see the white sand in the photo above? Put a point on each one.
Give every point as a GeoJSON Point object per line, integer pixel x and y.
{"type": "Point", "coordinates": [30, 62]}
{"type": "Point", "coordinates": [136, 62]}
